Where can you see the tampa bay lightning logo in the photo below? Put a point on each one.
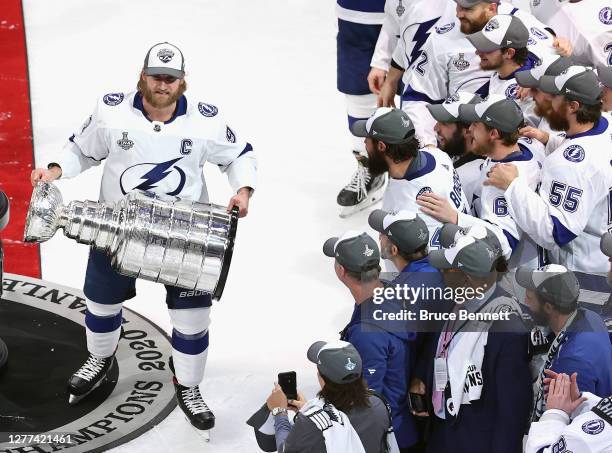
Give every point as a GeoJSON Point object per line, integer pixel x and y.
{"type": "Point", "coordinates": [113, 99]}
{"type": "Point", "coordinates": [593, 427]}
{"type": "Point", "coordinates": [148, 175]}
{"type": "Point", "coordinates": [605, 15]}
{"type": "Point", "coordinates": [574, 153]}
{"type": "Point", "coordinates": [425, 189]}
{"type": "Point", "coordinates": [512, 92]}
{"type": "Point", "coordinates": [208, 110]}
{"type": "Point", "coordinates": [493, 24]}
{"type": "Point", "coordinates": [229, 135]}
{"type": "Point", "coordinates": [445, 28]}
{"type": "Point", "coordinates": [538, 33]}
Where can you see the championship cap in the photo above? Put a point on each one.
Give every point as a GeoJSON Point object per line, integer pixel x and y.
{"type": "Point", "coordinates": [387, 124]}
{"type": "Point", "coordinates": [502, 31]}
{"type": "Point", "coordinates": [531, 78]}
{"type": "Point", "coordinates": [448, 111]}
{"type": "Point", "coordinates": [606, 244]}
{"type": "Point", "coordinates": [405, 229]}
{"type": "Point", "coordinates": [469, 254]}
{"type": "Point", "coordinates": [354, 250]}
{"type": "Point", "coordinates": [450, 234]}
{"type": "Point", "coordinates": [470, 3]}
{"type": "Point", "coordinates": [604, 73]}
{"type": "Point", "coordinates": [337, 360]}
{"type": "Point", "coordinates": [495, 111]}
{"type": "Point", "coordinates": [552, 280]}
{"type": "Point", "coordinates": [576, 83]}
{"type": "Point", "coordinates": [165, 59]}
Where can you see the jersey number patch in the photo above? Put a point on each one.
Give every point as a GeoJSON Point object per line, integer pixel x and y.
{"type": "Point", "coordinates": [500, 207]}
{"type": "Point", "coordinates": [566, 196]}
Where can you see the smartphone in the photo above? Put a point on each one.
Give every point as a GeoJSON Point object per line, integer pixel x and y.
{"type": "Point", "coordinates": [417, 403]}
{"type": "Point", "coordinates": [288, 382]}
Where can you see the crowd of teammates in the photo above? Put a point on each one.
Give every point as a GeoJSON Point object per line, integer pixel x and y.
{"type": "Point", "coordinates": [499, 166]}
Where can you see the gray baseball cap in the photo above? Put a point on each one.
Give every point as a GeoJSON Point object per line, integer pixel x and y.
{"type": "Point", "coordinates": [554, 67]}
{"type": "Point", "coordinates": [337, 360]}
{"type": "Point", "coordinates": [604, 73]}
{"type": "Point", "coordinates": [468, 254]}
{"type": "Point", "coordinates": [448, 111]}
{"type": "Point", "coordinates": [502, 31]}
{"type": "Point", "coordinates": [495, 111]}
{"type": "Point", "coordinates": [576, 83]}
{"type": "Point", "coordinates": [470, 3]}
{"type": "Point", "coordinates": [389, 125]}
{"type": "Point", "coordinates": [164, 59]}
{"type": "Point", "coordinates": [450, 234]}
{"type": "Point", "coordinates": [405, 229]}
{"type": "Point", "coordinates": [553, 280]}
{"type": "Point", "coordinates": [606, 244]}
{"type": "Point", "coordinates": [354, 250]}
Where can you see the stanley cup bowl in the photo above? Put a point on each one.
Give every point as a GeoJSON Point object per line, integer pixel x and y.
{"type": "Point", "coordinates": [44, 213]}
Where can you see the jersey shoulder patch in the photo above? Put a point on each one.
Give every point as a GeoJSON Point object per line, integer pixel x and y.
{"type": "Point", "coordinates": [445, 28]}
{"type": "Point", "coordinates": [113, 99]}
{"type": "Point", "coordinates": [593, 427]}
{"type": "Point", "coordinates": [207, 110]}
{"type": "Point", "coordinates": [574, 153]}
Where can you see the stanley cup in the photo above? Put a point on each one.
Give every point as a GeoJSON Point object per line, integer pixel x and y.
{"type": "Point", "coordinates": [163, 239]}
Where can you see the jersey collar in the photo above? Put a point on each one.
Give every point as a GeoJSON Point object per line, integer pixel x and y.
{"type": "Point", "coordinates": [599, 128]}
{"type": "Point", "coordinates": [523, 153]}
{"type": "Point", "coordinates": [181, 107]}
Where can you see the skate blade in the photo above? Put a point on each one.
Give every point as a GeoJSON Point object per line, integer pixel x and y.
{"type": "Point", "coordinates": [203, 433]}
{"type": "Point", "coordinates": [371, 199]}
{"type": "Point", "coordinates": [74, 399]}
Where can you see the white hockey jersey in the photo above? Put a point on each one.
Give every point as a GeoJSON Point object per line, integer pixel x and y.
{"type": "Point", "coordinates": [574, 205]}
{"type": "Point", "coordinates": [469, 175]}
{"type": "Point", "coordinates": [431, 171]}
{"type": "Point", "coordinates": [588, 26]}
{"type": "Point", "coordinates": [489, 204]}
{"type": "Point", "coordinates": [165, 158]}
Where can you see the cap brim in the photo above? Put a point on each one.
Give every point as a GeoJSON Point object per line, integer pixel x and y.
{"type": "Point", "coordinates": [441, 114]}
{"type": "Point", "coordinates": [376, 218]}
{"type": "Point", "coordinates": [329, 247]}
{"type": "Point", "coordinates": [313, 351]}
{"type": "Point", "coordinates": [358, 128]}
{"type": "Point", "coordinates": [164, 71]}
{"type": "Point", "coordinates": [547, 84]}
{"type": "Point", "coordinates": [467, 113]}
{"type": "Point", "coordinates": [438, 260]}
{"type": "Point", "coordinates": [526, 79]}
{"type": "Point", "coordinates": [606, 244]}
{"type": "Point", "coordinates": [448, 233]}
{"type": "Point", "coordinates": [523, 276]}
{"type": "Point", "coordinates": [482, 43]}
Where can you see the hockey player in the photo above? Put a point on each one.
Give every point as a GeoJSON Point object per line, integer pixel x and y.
{"type": "Point", "coordinates": [153, 139]}
{"type": "Point", "coordinates": [454, 139]}
{"type": "Point", "coordinates": [494, 128]}
{"type": "Point", "coordinates": [392, 146]}
{"type": "Point", "coordinates": [571, 211]}
{"type": "Point", "coordinates": [359, 25]}
{"type": "Point", "coordinates": [448, 62]}
{"type": "Point", "coordinates": [605, 77]}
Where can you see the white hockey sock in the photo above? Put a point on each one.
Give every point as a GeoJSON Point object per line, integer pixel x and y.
{"type": "Point", "coordinates": [103, 328]}
{"type": "Point", "coordinates": [190, 344]}
{"type": "Point", "coordinates": [359, 108]}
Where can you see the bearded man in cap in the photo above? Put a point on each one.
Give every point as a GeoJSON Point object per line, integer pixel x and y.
{"type": "Point", "coordinates": [142, 137]}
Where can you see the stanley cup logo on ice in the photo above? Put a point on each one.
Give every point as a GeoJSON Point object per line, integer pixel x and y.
{"type": "Point", "coordinates": [162, 239]}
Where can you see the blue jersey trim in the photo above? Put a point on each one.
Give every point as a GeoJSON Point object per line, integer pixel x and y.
{"type": "Point", "coordinates": [529, 64]}
{"type": "Point", "coordinates": [102, 324]}
{"type": "Point", "coordinates": [511, 240]}
{"type": "Point", "coordinates": [189, 344]}
{"type": "Point", "coordinates": [410, 94]}
{"type": "Point", "coordinates": [246, 149]}
{"type": "Point", "coordinates": [364, 6]}
{"type": "Point", "coordinates": [599, 128]}
{"type": "Point", "coordinates": [523, 154]}
{"type": "Point", "coordinates": [561, 234]}
{"type": "Point", "coordinates": [181, 107]}
{"type": "Point", "coordinates": [514, 10]}
{"type": "Point", "coordinates": [426, 164]}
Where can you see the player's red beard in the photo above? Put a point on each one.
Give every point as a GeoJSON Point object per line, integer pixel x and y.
{"type": "Point", "coordinates": [542, 109]}
{"type": "Point", "coordinates": [151, 96]}
{"type": "Point", "coordinates": [481, 148]}
{"type": "Point", "coordinates": [557, 119]}
{"type": "Point", "coordinates": [469, 26]}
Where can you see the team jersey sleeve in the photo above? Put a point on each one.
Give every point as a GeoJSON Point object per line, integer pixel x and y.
{"type": "Point", "coordinates": [546, 431]}
{"type": "Point", "coordinates": [561, 211]}
{"type": "Point", "coordinates": [86, 147]}
{"type": "Point", "coordinates": [387, 41]}
{"type": "Point", "coordinates": [234, 157]}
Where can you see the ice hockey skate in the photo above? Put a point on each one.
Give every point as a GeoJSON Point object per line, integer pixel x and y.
{"type": "Point", "coordinates": [193, 406]}
{"type": "Point", "coordinates": [90, 376]}
{"type": "Point", "coordinates": [363, 191]}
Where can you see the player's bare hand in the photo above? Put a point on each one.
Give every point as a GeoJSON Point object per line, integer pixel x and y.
{"type": "Point", "coordinates": [296, 405]}
{"type": "Point", "coordinates": [376, 78]}
{"type": "Point", "coordinates": [42, 174]}
{"type": "Point", "coordinates": [535, 133]}
{"type": "Point", "coordinates": [559, 395]}
{"type": "Point", "coordinates": [574, 390]}
{"type": "Point", "coordinates": [240, 200]}
{"type": "Point", "coordinates": [563, 46]}
{"type": "Point", "coordinates": [501, 176]}
{"type": "Point", "coordinates": [277, 398]}
{"type": "Point", "coordinates": [437, 207]}
{"type": "Point", "coordinates": [524, 93]}
{"type": "Point", "coordinates": [386, 98]}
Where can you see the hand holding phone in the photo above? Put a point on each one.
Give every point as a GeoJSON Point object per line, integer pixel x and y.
{"type": "Point", "coordinates": [288, 382]}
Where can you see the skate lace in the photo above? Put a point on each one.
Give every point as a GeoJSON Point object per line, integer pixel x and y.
{"type": "Point", "coordinates": [359, 180]}
{"type": "Point", "coordinates": [193, 400]}
{"type": "Point", "coordinates": [91, 368]}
